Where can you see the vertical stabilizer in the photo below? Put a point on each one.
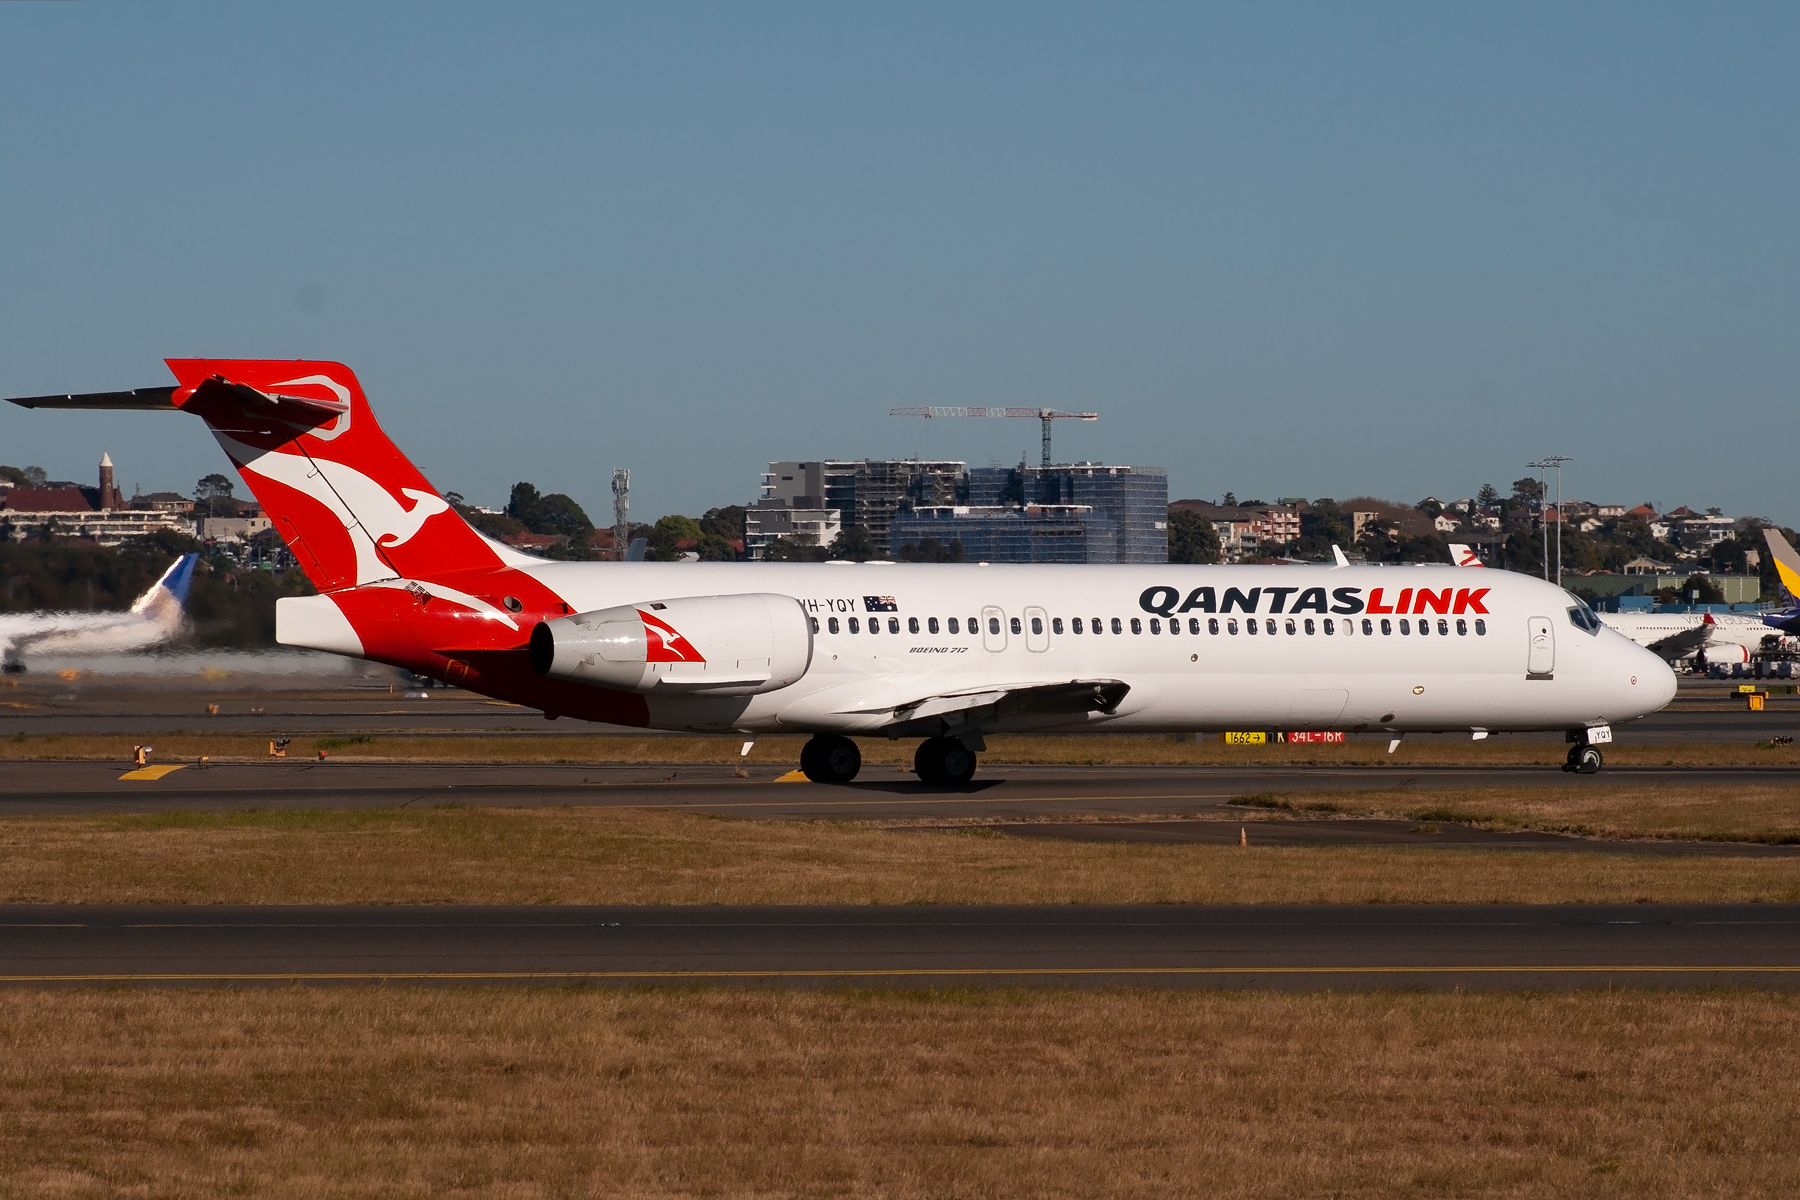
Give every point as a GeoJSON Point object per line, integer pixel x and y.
{"type": "Point", "coordinates": [1787, 563]}
{"type": "Point", "coordinates": [350, 506]}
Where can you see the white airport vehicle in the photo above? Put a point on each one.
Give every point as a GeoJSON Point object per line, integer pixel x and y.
{"type": "Point", "coordinates": [946, 653]}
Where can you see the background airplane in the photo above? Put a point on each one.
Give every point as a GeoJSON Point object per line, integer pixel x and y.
{"type": "Point", "coordinates": [154, 617]}
{"type": "Point", "coordinates": [1699, 638]}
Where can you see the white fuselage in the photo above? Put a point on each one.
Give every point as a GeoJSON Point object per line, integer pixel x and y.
{"type": "Point", "coordinates": [1323, 654]}
{"type": "Point", "coordinates": [1735, 629]}
{"type": "Point", "coordinates": [86, 632]}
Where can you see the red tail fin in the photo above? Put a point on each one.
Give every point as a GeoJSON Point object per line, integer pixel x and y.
{"type": "Point", "coordinates": [343, 497]}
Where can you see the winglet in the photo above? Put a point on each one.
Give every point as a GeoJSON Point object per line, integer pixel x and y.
{"type": "Point", "coordinates": [1787, 563]}
{"type": "Point", "coordinates": [1337, 552]}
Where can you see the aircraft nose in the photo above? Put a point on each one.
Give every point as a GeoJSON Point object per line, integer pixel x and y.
{"type": "Point", "coordinates": [1655, 680]}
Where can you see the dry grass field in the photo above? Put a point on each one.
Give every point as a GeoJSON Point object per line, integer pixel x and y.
{"type": "Point", "coordinates": [1767, 813]}
{"type": "Point", "coordinates": [489, 1093]}
{"type": "Point", "coordinates": [653, 856]}
{"type": "Point", "coordinates": [1113, 750]}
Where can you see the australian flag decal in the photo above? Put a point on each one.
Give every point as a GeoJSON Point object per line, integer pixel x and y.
{"type": "Point", "coordinates": [880, 604]}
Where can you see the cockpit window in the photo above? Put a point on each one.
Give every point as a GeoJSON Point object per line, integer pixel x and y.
{"type": "Point", "coordinates": [1583, 618]}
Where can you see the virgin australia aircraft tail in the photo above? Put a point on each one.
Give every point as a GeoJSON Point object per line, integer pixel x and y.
{"type": "Point", "coordinates": [153, 618]}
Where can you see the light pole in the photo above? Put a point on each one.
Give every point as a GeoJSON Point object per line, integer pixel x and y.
{"type": "Point", "coordinates": [1543, 500]}
{"type": "Point", "coordinates": [1557, 461]}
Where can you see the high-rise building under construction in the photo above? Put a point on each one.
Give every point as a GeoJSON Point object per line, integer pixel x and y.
{"type": "Point", "coordinates": [1076, 512]}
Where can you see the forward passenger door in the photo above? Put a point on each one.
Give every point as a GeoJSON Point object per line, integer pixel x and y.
{"type": "Point", "coordinates": [1540, 657]}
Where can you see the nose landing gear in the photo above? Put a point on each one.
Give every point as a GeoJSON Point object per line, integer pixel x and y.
{"type": "Point", "coordinates": [1584, 760]}
{"type": "Point", "coordinates": [827, 758]}
{"type": "Point", "coordinates": [944, 762]}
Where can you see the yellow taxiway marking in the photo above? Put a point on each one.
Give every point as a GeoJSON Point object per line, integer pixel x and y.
{"type": "Point", "coordinates": [794, 776]}
{"type": "Point", "coordinates": [152, 772]}
{"type": "Point", "coordinates": [873, 973]}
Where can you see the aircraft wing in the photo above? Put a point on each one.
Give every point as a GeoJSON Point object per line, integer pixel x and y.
{"type": "Point", "coordinates": [1680, 645]}
{"type": "Point", "coordinates": [977, 708]}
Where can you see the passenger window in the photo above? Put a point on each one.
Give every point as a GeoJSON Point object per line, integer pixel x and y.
{"type": "Point", "coordinates": [1250, 627]}
{"type": "Point", "coordinates": [994, 625]}
{"type": "Point", "coordinates": [931, 624]}
{"type": "Point", "coordinates": [1290, 626]}
{"type": "Point", "coordinates": [815, 623]}
{"type": "Point", "coordinates": [1094, 624]}
{"type": "Point", "coordinates": [1117, 628]}
{"type": "Point", "coordinates": [1270, 626]}
{"type": "Point", "coordinates": [1137, 626]}
{"type": "Point", "coordinates": [1462, 627]}
{"type": "Point", "coordinates": [1230, 626]}
{"type": "Point", "coordinates": [912, 624]}
{"type": "Point", "coordinates": [1368, 627]}
{"type": "Point", "coordinates": [1424, 628]}
{"type": "Point", "coordinates": [1404, 627]}
{"type": "Point", "coordinates": [874, 624]}
{"type": "Point", "coordinates": [831, 624]}
{"type": "Point", "coordinates": [1331, 626]}
{"type": "Point", "coordinates": [1075, 624]}
{"type": "Point", "coordinates": [855, 625]}
{"type": "Point", "coordinates": [974, 627]}
{"type": "Point", "coordinates": [1480, 627]}
{"type": "Point", "coordinates": [1174, 624]}
{"type": "Point", "coordinates": [952, 624]}
{"type": "Point", "coordinates": [1309, 627]}
{"type": "Point", "coordinates": [1155, 625]}
{"type": "Point", "coordinates": [1387, 627]}
{"type": "Point", "coordinates": [1443, 627]}
{"type": "Point", "coordinates": [893, 624]}
{"type": "Point", "coordinates": [1037, 624]}
{"type": "Point", "coordinates": [1194, 626]}
{"type": "Point", "coordinates": [1015, 626]}
{"type": "Point", "coordinates": [1055, 624]}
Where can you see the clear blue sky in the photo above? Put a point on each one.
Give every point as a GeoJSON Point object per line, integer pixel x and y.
{"type": "Point", "coordinates": [1284, 249]}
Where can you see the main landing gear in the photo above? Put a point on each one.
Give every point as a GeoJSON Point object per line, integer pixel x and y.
{"type": "Point", "coordinates": [1584, 760]}
{"type": "Point", "coordinates": [944, 762]}
{"type": "Point", "coordinates": [827, 758]}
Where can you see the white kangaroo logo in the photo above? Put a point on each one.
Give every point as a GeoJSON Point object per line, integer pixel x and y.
{"type": "Point", "coordinates": [370, 513]}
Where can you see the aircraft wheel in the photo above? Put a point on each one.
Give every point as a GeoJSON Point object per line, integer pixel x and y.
{"type": "Point", "coordinates": [944, 762]}
{"type": "Point", "coordinates": [1586, 760]}
{"type": "Point", "coordinates": [827, 758]}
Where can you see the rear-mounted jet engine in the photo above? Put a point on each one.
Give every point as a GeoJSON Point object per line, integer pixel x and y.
{"type": "Point", "coordinates": [693, 645]}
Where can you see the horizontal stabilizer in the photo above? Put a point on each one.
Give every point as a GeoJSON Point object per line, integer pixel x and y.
{"type": "Point", "coordinates": [306, 409]}
{"type": "Point", "coordinates": [138, 398]}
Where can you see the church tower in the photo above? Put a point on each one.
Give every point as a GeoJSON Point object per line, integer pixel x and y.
{"type": "Point", "coordinates": [109, 495]}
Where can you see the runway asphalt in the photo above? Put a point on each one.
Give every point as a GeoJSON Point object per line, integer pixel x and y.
{"type": "Point", "coordinates": [1309, 947]}
{"type": "Point", "coordinates": [1704, 712]}
{"type": "Point", "coordinates": [1030, 801]}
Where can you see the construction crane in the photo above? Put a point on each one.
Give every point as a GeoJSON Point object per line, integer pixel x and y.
{"type": "Point", "coordinates": [1046, 415]}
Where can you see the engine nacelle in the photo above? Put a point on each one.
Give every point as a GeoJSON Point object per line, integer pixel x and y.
{"type": "Point", "coordinates": [692, 645]}
{"type": "Point", "coordinates": [1725, 652]}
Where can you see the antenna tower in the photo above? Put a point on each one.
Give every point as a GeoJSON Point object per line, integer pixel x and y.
{"type": "Point", "coordinates": [621, 490]}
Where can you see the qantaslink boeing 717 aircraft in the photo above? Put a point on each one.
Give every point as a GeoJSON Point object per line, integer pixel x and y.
{"type": "Point", "coordinates": [943, 653]}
